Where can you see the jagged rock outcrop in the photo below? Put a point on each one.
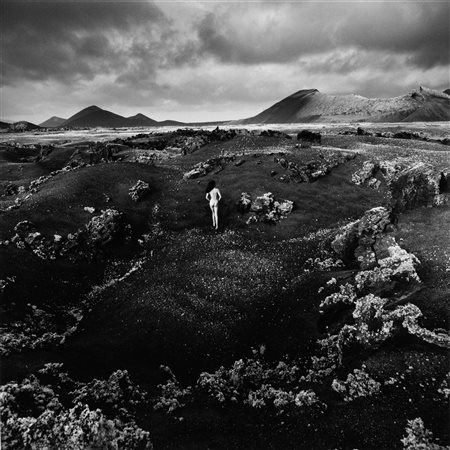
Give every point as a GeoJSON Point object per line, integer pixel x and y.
{"type": "Point", "coordinates": [139, 190]}
{"type": "Point", "coordinates": [419, 185]}
{"type": "Point", "coordinates": [369, 242]}
{"type": "Point", "coordinates": [375, 295]}
{"type": "Point", "coordinates": [411, 184]}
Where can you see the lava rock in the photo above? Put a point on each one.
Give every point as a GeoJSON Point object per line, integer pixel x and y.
{"type": "Point", "coordinates": [309, 136]}
{"type": "Point", "coordinates": [244, 203]}
{"type": "Point", "coordinates": [139, 190]}
{"type": "Point", "coordinates": [103, 228]}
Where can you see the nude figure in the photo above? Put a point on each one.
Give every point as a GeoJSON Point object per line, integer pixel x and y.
{"type": "Point", "coordinates": [213, 196]}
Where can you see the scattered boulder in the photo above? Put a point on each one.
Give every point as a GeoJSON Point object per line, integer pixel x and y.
{"type": "Point", "coordinates": [406, 135]}
{"type": "Point", "coordinates": [214, 164]}
{"type": "Point", "coordinates": [139, 190]}
{"type": "Point", "coordinates": [103, 228]}
{"type": "Point", "coordinates": [284, 207]}
{"type": "Point", "coordinates": [361, 132]}
{"type": "Point", "coordinates": [244, 203]}
{"type": "Point", "coordinates": [89, 209]}
{"type": "Point", "coordinates": [309, 136]}
{"type": "Point", "coordinates": [195, 173]}
{"type": "Point", "coordinates": [28, 237]}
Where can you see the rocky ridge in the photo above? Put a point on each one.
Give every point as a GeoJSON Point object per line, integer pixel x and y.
{"type": "Point", "coordinates": [313, 170]}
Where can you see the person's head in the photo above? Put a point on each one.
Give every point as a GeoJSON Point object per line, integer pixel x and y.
{"type": "Point", "coordinates": [211, 186]}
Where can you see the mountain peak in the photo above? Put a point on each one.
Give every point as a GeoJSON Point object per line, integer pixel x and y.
{"type": "Point", "coordinates": [303, 93]}
{"type": "Point", "coordinates": [138, 116]}
{"type": "Point", "coordinates": [53, 122]}
{"type": "Point", "coordinates": [92, 108]}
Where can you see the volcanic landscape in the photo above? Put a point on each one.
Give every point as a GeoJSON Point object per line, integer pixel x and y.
{"type": "Point", "coordinates": [316, 317]}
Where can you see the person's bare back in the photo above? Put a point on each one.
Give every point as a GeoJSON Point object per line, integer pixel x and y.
{"type": "Point", "coordinates": [213, 196]}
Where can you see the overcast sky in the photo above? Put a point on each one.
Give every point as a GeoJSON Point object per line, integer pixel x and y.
{"type": "Point", "coordinates": [200, 61]}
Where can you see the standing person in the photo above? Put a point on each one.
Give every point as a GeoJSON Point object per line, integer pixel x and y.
{"type": "Point", "coordinates": [213, 196]}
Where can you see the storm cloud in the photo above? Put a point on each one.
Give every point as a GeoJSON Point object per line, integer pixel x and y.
{"type": "Point", "coordinates": [211, 61]}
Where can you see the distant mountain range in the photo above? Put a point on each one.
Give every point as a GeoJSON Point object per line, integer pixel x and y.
{"type": "Point", "coordinates": [310, 105]}
{"type": "Point", "coordinates": [93, 116]}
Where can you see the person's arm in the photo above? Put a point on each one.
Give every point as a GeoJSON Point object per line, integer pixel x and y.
{"type": "Point", "coordinates": [219, 196]}
{"type": "Point", "coordinates": [207, 196]}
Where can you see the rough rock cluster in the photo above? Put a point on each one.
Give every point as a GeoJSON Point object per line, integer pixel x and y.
{"type": "Point", "coordinates": [264, 208]}
{"type": "Point", "coordinates": [274, 133]}
{"type": "Point", "coordinates": [210, 165]}
{"type": "Point", "coordinates": [184, 140]}
{"type": "Point", "coordinates": [84, 243]}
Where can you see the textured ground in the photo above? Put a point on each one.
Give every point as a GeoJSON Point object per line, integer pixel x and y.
{"type": "Point", "coordinates": [169, 290]}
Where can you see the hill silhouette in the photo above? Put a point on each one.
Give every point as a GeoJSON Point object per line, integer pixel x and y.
{"type": "Point", "coordinates": [53, 122]}
{"type": "Point", "coordinates": [310, 105]}
{"type": "Point", "coordinates": [23, 126]}
{"type": "Point", "coordinates": [139, 120]}
{"type": "Point", "coordinates": [93, 116]}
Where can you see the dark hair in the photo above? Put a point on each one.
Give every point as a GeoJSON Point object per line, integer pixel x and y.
{"type": "Point", "coordinates": [211, 186]}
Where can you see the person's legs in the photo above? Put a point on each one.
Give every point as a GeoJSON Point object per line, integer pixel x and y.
{"type": "Point", "coordinates": [216, 216]}
{"type": "Point", "coordinates": [213, 215]}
